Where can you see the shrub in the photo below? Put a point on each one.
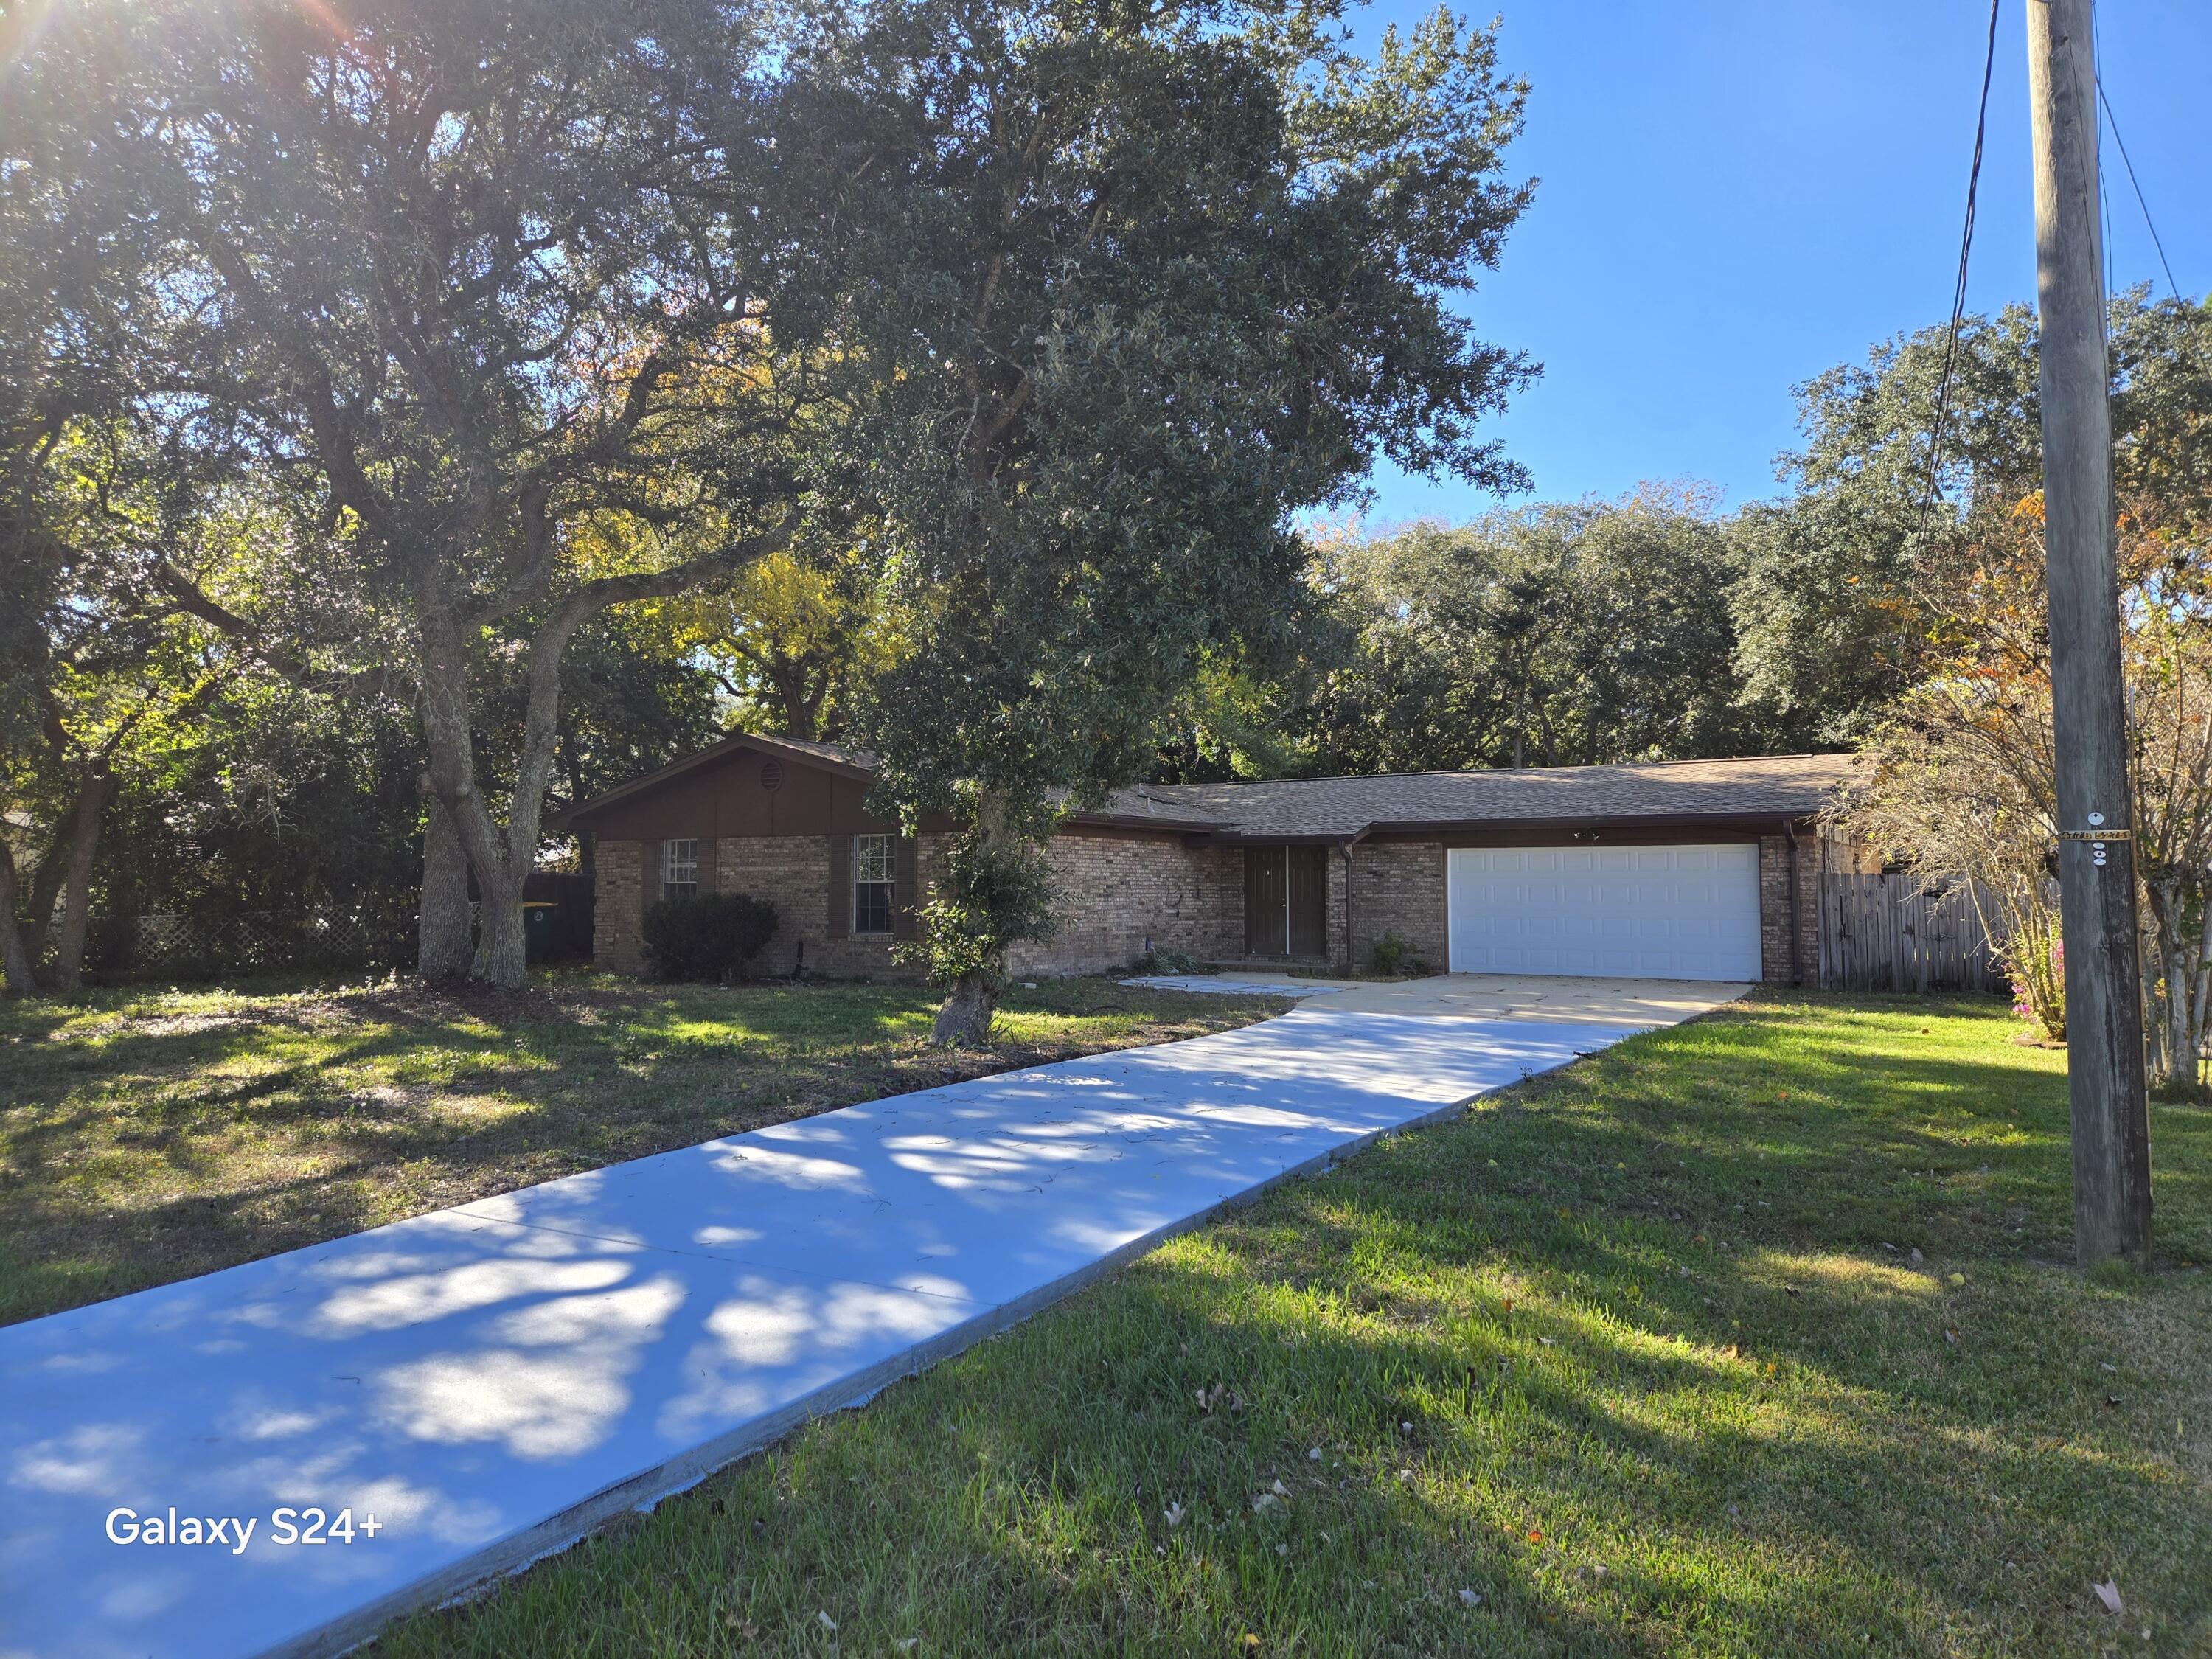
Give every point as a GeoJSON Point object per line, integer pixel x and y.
{"type": "Point", "coordinates": [1171, 962]}
{"type": "Point", "coordinates": [711, 936]}
{"type": "Point", "coordinates": [1394, 953]}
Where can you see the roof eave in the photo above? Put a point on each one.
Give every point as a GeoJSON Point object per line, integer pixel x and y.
{"type": "Point", "coordinates": [1143, 821]}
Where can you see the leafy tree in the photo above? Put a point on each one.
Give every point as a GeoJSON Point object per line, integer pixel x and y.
{"type": "Point", "coordinates": [1144, 282]}
{"type": "Point", "coordinates": [460, 281]}
{"type": "Point", "coordinates": [1963, 783]}
{"type": "Point", "coordinates": [1554, 635]}
{"type": "Point", "coordinates": [103, 668]}
{"type": "Point", "coordinates": [1834, 604]}
{"type": "Point", "coordinates": [790, 638]}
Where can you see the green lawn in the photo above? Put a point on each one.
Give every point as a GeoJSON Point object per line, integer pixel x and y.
{"type": "Point", "coordinates": [1639, 1354]}
{"type": "Point", "coordinates": [148, 1135]}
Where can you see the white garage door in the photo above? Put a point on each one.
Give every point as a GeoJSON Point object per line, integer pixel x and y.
{"type": "Point", "coordinates": [1628, 912]}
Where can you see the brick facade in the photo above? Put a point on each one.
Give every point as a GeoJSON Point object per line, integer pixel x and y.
{"type": "Point", "coordinates": [616, 907]}
{"type": "Point", "coordinates": [1398, 886]}
{"type": "Point", "coordinates": [1782, 933]}
{"type": "Point", "coordinates": [1116, 892]}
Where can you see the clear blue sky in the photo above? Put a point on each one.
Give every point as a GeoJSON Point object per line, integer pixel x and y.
{"type": "Point", "coordinates": [1736, 194]}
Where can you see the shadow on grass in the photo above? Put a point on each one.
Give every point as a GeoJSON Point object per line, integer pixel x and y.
{"type": "Point", "coordinates": [1544, 1357]}
{"type": "Point", "coordinates": [152, 1137]}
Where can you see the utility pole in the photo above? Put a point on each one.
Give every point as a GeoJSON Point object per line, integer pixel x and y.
{"type": "Point", "coordinates": [2096, 848]}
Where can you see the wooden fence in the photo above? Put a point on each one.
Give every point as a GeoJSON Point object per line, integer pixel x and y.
{"type": "Point", "coordinates": [1881, 932]}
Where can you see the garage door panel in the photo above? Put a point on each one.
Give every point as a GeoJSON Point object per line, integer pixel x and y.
{"type": "Point", "coordinates": [1684, 912]}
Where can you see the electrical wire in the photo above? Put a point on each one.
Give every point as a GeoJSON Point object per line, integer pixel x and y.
{"type": "Point", "coordinates": [1959, 291]}
{"type": "Point", "coordinates": [2148, 222]}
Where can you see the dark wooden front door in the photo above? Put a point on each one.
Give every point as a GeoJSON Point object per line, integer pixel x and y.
{"type": "Point", "coordinates": [1308, 901]}
{"type": "Point", "coordinates": [1264, 891]}
{"type": "Point", "coordinates": [1285, 901]}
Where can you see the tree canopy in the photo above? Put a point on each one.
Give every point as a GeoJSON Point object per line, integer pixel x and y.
{"type": "Point", "coordinates": [1146, 282]}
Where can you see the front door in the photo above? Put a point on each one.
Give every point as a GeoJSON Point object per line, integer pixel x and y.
{"type": "Point", "coordinates": [1285, 901]}
{"type": "Point", "coordinates": [1308, 901]}
{"type": "Point", "coordinates": [1265, 894]}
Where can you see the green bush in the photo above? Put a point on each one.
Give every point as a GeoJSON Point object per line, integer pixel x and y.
{"type": "Point", "coordinates": [1171, 962]}
{"type": "Point", "coordinates": [1394, 953]}
{"type": "Point", "coordinates": [710, 937]}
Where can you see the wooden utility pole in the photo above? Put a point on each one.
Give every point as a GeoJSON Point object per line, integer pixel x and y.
{"type": "Point", "coordinates": [2096, 849]}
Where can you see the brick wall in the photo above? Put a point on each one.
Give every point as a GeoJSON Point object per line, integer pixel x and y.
{"type": "Point", "coordinates": [1397, 885]}
{"type": "Point", "coordinates": [1339, 948]}
{"type": "Point", "coordinates": [790, 872]}
{"type": "Point", "coordinates": [1116, 892]}
{"type": "Point", "coordinates": [616, 907]}
{"type": "Point", "coordinates": [1777, 933]}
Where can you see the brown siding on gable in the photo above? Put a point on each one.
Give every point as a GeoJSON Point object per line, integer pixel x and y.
{"type": "Point", "coordinates": [726, 799]}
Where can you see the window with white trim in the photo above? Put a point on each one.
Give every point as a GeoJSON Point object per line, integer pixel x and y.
{"type": "Point", "coordinates": [871, 883]}
{"type": "Point", "coordinates": [679, 869]}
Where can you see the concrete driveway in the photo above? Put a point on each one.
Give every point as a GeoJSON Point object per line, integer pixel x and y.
{"type": "Point", "coordinates": [1639, 1002]}
{"type": "Point", "coordinates": [489, 1381]}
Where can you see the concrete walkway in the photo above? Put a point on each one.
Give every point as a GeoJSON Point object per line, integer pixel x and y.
{"type": "Point", "coordinates": [492, 1381]}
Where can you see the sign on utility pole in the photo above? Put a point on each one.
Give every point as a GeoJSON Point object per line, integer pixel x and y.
{"type": "Point", "coordinates": [2096, 847]}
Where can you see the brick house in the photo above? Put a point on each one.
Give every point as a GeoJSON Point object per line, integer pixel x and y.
{"type": "Point", "coordinates": [1678, 869]}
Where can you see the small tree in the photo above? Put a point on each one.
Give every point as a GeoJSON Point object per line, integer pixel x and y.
{"type": "Point", "coordinates": [1964, 779]}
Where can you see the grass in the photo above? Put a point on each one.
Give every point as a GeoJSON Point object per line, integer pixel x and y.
{"type": "Point", "coordinates": [1640, 1355]}
{"type": "Point", "coordinates": [150, 1135]}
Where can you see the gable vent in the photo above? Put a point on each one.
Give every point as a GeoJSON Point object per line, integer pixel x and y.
{"type": "Point", "coordinates": [772, 775]}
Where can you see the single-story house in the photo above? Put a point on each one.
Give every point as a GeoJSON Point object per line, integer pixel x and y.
{"type": "Point", "coordinates": [1672, 869]}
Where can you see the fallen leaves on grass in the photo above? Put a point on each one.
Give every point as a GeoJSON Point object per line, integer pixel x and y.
{"type": "Point", "coordinates": [2109, 1594]}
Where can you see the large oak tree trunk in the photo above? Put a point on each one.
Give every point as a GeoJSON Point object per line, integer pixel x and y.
{"type": "Point", "coordinates": [443, 941]}
{"type": "Point", "coordinates": [14, 956]}
{"type": "Point", "coordinates": [92, 796]}
{"type": "Point", "coordinates": [499, 957]}
{"type": "Point", "coordinates": [500, 855]}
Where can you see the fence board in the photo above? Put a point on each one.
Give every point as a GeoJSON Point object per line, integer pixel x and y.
{"type": "Point", "coordinates": [1881, 932]}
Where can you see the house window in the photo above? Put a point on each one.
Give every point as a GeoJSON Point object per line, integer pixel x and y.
{"type": "Point", "coordinates": [679, 869]}
{"type": "Point", "coordinates": [872, 885]}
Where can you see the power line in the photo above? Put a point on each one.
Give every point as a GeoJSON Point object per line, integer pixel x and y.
{"type": "Point", "coordinates": [1959, 292]}
{"type": "Point", "coordinates": [2149, 223]}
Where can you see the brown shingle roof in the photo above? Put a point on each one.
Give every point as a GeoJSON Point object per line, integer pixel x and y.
{"type": "Point", "coordinates": [1758, 786]}
{"type": "Point", "coordinates": [1762, 786]}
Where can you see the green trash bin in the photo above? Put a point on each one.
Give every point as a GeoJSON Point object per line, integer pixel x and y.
{"type": "Point", "coordinates": [537, 929]}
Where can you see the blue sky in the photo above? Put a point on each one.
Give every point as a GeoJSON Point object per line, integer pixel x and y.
{"type": "Point", "coordinates": [1736, 194]}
